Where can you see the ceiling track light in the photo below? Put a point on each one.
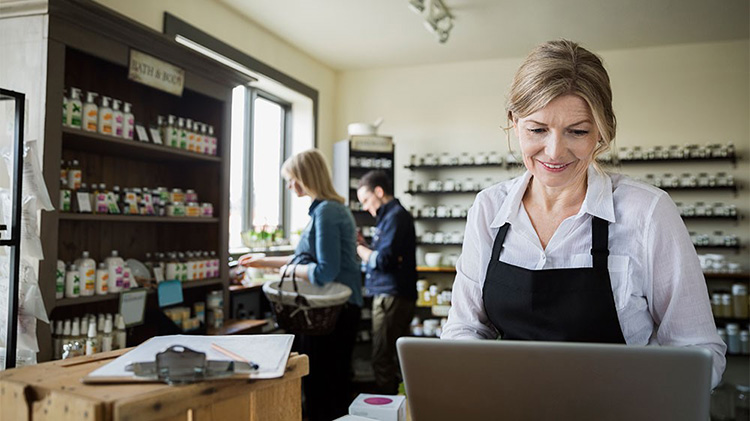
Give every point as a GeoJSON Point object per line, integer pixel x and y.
{"type": "Point", "coordinates": [437, 17]}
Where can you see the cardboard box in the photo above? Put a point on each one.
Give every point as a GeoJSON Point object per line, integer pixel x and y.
{"type": "Point", "coordinates": [379, 407]}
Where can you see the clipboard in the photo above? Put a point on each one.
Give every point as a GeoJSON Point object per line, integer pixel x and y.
{"type": "Point", "coordinates": [269, 352]}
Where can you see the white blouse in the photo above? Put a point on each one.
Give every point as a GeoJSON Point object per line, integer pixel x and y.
{"type": "Point", "coordinates": [657, 282]}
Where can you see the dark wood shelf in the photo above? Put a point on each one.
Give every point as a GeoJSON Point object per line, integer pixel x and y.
{"type": "Point", "coordinates": [740, 276]}
{"type": "Point", "coordinates": [136, 218]}
{"type": "Point", "coordinates": [737, 247]}
{"type": "Point", "coordinates": [436, 269]}
{"type": "Point", "coordinates": [65, 302]}
{"type": "Point", "coordinates": [94, 142]}
{"type": "Point", "coordinates": [732, 159]}
{"type": "Point", "coordinates": [426, 192]}
{"type": "Point", "coordinates": [450, 167]}
{"type": "Point", "coordinates": [711, 218]}
{"type": "Point", "coordinates": [725, 320]}
{"type": "Point", "coordinates": [700, 188]}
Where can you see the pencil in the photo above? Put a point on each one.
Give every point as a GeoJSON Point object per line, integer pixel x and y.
{"type": "Point", "coordinates": [234, 356]}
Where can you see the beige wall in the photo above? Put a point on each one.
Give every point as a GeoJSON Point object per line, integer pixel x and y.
{"type": "Point", "coordinates": [249, 37]}
{"type": "Point", "coordinates": [682, 94]}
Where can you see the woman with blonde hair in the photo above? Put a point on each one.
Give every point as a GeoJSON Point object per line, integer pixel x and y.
{"type": "Point", "coordinates": [331, 239]}
{"type": "Point", "coordinates": [568, 252]}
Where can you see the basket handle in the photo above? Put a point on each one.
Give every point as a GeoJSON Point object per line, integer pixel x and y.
{"type": "Point", "coordinates": [293, 263]}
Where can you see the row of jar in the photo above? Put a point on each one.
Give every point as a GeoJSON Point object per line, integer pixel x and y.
{"type": "Point", "coordinates": [718, 263]}
{"type": "Point", "coordinates": [717, 239]}
{"type": "Point", "coordinates": [440, 211]}
{"type": "Point", "coordinates": [451, 185]}
{"type": "Point", "coordinates": [703, 209]}
{"type": "Point", "coordinates": [689, 180]}
{"type": "Point", "coordinates": [105, 118]}
{"type": "Point", "coordinates": [737, 340]}
{"type": "Point", "coordinates": [714, 150]}
{"type": "Point", "coordinates": [724, 304]}
{"type": "Point", "coordinates": [366, 162]}
{"type": "Point", "coordinates": [440, 237]}
{"type": "Point", "coordinates": [465, 158]}
{"type": "Point", "coordinates": [427, 327]}
{"type": "Point", "coordinates": [430, 295]}
{"type": "Point", "coordinates": [87, 335]}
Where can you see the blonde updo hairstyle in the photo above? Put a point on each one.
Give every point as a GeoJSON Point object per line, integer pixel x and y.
{"type": "Point", "coordinates": [310, 170]}
{"type": "Point", "coordinates": [558, 68]}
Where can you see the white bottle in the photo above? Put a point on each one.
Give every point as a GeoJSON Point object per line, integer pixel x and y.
{"type": "Point", "coordinates": [90, 113]}
{"type": "Point", "coordinates": [212, 141]}
{"type": "Point", "coordinates": [192, 264]}
{"type": "Point", "coordinates": [72, 282]}
{"type": "Point", "coordinates": [172, 134]}
{"type": "Point", "coordinates": [190, 135]}
{"type": "Point", "coordinates": [75, 336]}
{"type": "Point", "coordinates": [118, 118]}
{"type": "Point", "coordinates": [66, 335]}
{"type": "Point", "coordinates": [58, 340]}
{"type": "Point", "coordinates": [115, 266]}
{"type": "Point", "coordinates": [127, 278]}
{"type": "Point", "coordinates": [120, 336]}
{"type": "Point", "coordinates": [100, 329]}
{"type": "Point", "coordinates": [182, 133]}
{"type": "Point", "coordinates": [87, 270]}
{"type": "Point", "coordinates": [173, 268]}
{"type": "Point", "coordinates": [105, 117]}
{"type": "Point", "coordinates": [215, 264]}
{"type": "Point", "coordinates": [107, 337]}
{"type": "Point", "coordinates": [74, 109]}
{"type": "Point", "coordinates": [183, 266]}
{"type": "Point", "coordinates": [92, 344]}
{"type": "Point", "coordinates": [60, 280]}
{"type": "Point", "coordinates": [102, 279]}
{"type": "Point", "coordinates": [199, 144]}
{"type": "Point", "coordinates": [128, 122]}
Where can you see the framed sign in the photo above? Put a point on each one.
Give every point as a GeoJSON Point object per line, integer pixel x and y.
{"type": "Point", "coordinates": [156, 73]}
{"type": "Point", "coordinates": [133, 306]}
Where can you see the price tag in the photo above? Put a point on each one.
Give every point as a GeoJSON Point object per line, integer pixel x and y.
{"type": "Point", "coordinates": [142, 134]}
{"type": "Point", "coordinates": [84, 202]}
{"type": "Point", "coordinates": [155, 135]}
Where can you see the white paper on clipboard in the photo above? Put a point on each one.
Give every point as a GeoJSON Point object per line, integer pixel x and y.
{"type": "Point", "coordinates": [270, 352]}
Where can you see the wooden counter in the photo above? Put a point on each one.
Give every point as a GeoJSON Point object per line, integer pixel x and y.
{"type": "Point", "coordinates": [53, 391]}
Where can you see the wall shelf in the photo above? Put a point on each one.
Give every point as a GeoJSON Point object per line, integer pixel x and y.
{"type": "Point", "coordinates": [65, 302]}
{"type": "Point", "coordinates": [731, 158]}
{"type": "Point", "coordinates": [76, 139]}
{"type": "Point", "coordinates": [421, 243]}
{"type": "Point", "coordinates": [136, 218]}
{"type": "Point", "coordinates": [440, 218]}
{"type": "Point", "coordinates": [701, 188]}
{"type": "Point", "coordinates": [450, 167]}
{"type": "Point", "coordinates": [426, 192]}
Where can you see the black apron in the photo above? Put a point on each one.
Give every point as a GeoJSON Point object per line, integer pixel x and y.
{"type": "Point", "coordinates": [571, 305]}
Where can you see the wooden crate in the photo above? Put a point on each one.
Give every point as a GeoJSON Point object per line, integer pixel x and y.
{"type": "Point", "coordinates": [53, 391]}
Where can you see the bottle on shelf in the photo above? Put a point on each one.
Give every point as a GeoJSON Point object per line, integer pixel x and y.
{"type": "Point", "coordinates": [105, 117]}
{"type": "Point", "coordinates": [107, 336]}
{"type": "Point", "coordinates": [172, 268]}
{"type": "Point", "coordinates": [74, 175]}
{"type": "Point", "coordinates": [57, 340]}
{"type": "Point", "coordinates": [127, 278]}
{"type": "Point", "coordinates": [190, 135]}
{"type": "Point", "coordinates": [118, 119]}
{"type": "Point", "coordinates": [92, 344]}
{"type": "Point", "coordinates": [115, 265]}
{"type": "Point", "coordinates": [87, 270]}
{"type": "Point", "coordinates": [60, 280]}
{"type": "Point", "coordinates": [120, 338]}
{"type": "Point", "coordinates": [90, 113]}
{"type": "Point", "coordinates": [170, 133]}
{"type": "Point", "coordinates": [66, 335]}
{"type": "Point", "coordinates": [182, 133]}
{"type": "Point", "coordinates": [101, 205]}
{"type": "Point", "coordinates": [74, 109]}
{"type": "Point", "coordinates": [65, 196]}
{"type": "Point", "coordinates": [102, 279]}
{"type": "Point", "coordinates": [191, 266]}
{"type": "Point", "coordinates": [72, 282]}
{"type": "Point", "coordinates": [199, 141]}
{"type": "Point", "coordinates": [65, 108]}
{"type": "Point", "coordinates": [100, 329]}
{"type": "Point", "coordinates": [213, 141]}
{"type": "Point", "coordinates": [183, 266]}
{"type": "Point", "coordinates": [113, 201]}
{"type": "Point", "coordinates": [128, 122]}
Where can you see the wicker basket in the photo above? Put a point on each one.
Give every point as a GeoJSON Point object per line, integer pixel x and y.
{"type": "Point", "coordinates": [303, 308]}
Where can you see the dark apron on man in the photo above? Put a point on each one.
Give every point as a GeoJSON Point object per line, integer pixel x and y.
{"type": "Point", "coordinates": [571, 305]}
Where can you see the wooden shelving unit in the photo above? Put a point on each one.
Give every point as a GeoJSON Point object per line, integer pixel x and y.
{"type": "Point", "coordinates": [85, 45]}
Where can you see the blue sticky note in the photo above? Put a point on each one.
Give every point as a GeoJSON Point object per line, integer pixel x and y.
{"type": "Point", "coordinates": [170, 292]}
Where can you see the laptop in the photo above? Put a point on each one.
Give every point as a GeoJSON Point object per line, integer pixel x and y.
{"type": "Point", "coordinates": [469, 380]}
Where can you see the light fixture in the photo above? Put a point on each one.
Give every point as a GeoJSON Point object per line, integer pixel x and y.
{"type": "Point", "coordinates": [437, 17]}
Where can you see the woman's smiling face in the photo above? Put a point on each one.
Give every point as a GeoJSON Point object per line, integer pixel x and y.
{"type": "Point", "coordinates": [558, 141]}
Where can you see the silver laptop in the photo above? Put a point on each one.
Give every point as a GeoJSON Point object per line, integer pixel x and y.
{"type": "Point", "coordinates": [518, 380]}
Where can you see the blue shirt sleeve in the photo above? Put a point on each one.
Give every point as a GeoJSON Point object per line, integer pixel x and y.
{"type": "Point", "coordinates": [386, 258]}
{"type": "Point", "coordinates": [328, 246]}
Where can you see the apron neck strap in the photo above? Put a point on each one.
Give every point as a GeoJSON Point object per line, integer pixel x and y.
{"type": "Point", "coordinates": [599, 242]}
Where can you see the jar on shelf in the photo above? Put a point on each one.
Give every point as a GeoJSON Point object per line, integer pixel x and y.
{"type": "Point", "coordinates": [726, 305]}
{"type": "Point", "coordinates": [192, 209]}
{"type": "Point", "coordinates": [740, 301]}
{"type": "Point", "coordinates": [465, 159]}
{"type": "Point", "coordinates": [733, 338]}
{"type": "Point", "coordinates": [191, 196]}
{"type": "Point", "coordinates": [703, 179]}
{"type": "Point", "coordinates": [207, 210]}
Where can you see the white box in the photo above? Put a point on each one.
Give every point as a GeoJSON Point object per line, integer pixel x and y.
{"type": "Point", "coordinates": [379, 407]}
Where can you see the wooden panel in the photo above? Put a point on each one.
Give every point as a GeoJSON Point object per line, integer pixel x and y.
{"type": "Point", "coordinates": [13, 401]}
{"type": "Point", "coordinates": [290, 393]}
{"type": "Point", "coordinates": [56, 406]}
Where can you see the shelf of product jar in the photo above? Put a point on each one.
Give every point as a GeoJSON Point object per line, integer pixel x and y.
{"type": "Point", "coordinates": [729, 158]}
{"type": "Point", "coordinates": [136, 218]}
{"type": "Point", "coordinates": [413, 192]}
{"type": "Point", "coordinates": [445, 166]}
{"type": "Point", "coordinates": [732, 188]}
{"type": "Point", "coordinates": [422, 243]}
{"type": "Point", "coordinates": [719, 246]}
{"type": "Point", "coordinates": [64, 302]}
{"type": "Point", "coordinates": [94, 142]}
{"type": "Point", "coordinates": [440, 218]}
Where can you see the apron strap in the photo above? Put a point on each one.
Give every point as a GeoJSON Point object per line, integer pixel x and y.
{"type": "Point", "coordinates": [599, 243]}
{"type": "Point", "coordinates": [497, 247]}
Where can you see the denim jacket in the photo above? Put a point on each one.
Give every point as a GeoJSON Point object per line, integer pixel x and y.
{"type": "Point", "coordinates": [331, 239]}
